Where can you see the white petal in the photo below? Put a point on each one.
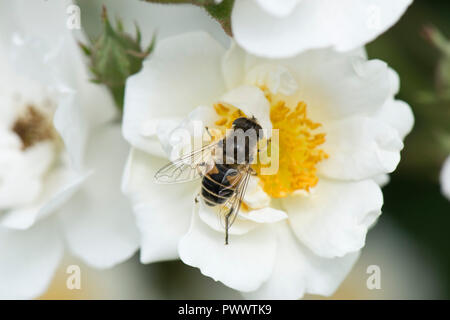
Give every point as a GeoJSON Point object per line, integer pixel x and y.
{"type": "Point", "coordinates": [341, 85]}
{"type": "Point", "coordinates": [264, 34]}
{"type": "Point", "coordinates": [265, 215]}
{"type": "Point", "coordinates": [180, 137]}
{"type": "Point", "coordinates": [60, 184]}
{"type": "Point", "coordinates": [162, 211]}
{"type": "Point", "coordinates": [163, 128]}
{"type": "Point", "coordinates": [368, 20]}
{"type": "Point", "coordinates": [98, 221]}
{"type": "Point", "coordinates": [244, 264]}
{"type": "Point", "coordinates": [28, 260]}
{"type": "Point", "coordinates": [333, 220]}
{"type": "Point", "coordinates": [334, 85]}
{"type": "Point", "coordinates": [39, 39]}
{"type": "Point", "coordinates": [183, 73]}
{"type": "Point", "coordinates": [95, 101]}
{"type": "Point", "coordinates": [298, 271]}
{"type": "Point", "coordinates": [233, 63]}
{"type": "Point", "coordinates": [360, 148]}
{"type": "Point", "coordinates": [445, 178]}
{"type": "Point", "coordinates": [397, 114]}
{"type": "Point", "coordinates": [394, 79]}
{"type": "Point", "coordinates": [255, 197]}
{"type": "Point", "coordinates": [279, 8]}
{"type": "Point", "coordinates": [344, 25]}
{"type": "Point", "coordinates": [252, 102]}
{"type": "Point", "coordinates": [21, 173]}
{"type": "Point", "coordinates": [51, 19]}
{"type": "Point", "coordinates": [72, 127]}
{"type": "Point", "coordinates": [277, 78]}
{"type": "Point", "coordinates": [382, 179]}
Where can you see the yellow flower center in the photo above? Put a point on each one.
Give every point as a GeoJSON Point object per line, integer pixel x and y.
{"type": "Point", "coordinates": [299, 150]}
{"type": "Point", "coordinates": [299, 143]}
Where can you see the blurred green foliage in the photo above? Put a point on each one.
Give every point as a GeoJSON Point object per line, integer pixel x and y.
{"type": "Point", "coordinates": [413, 197]}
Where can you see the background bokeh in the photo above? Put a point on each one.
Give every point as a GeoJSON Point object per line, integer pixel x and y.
{"type": "Point", "coordinates": [410, 243]}
{"type": "Point", "coordinates": [413, 201]}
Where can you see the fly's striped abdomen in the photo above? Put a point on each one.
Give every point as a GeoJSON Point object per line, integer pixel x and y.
{"type": "Point", "coordinates": [216, 186]}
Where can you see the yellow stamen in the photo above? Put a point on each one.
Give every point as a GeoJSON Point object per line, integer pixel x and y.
{"type": "Point", "coordinates": [228, 114]}
{"type": "Point", "coordinates": [299, 150]}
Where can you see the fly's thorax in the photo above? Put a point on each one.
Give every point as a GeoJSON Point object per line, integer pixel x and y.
{"type": "Point", "coordinates": [238, 147]}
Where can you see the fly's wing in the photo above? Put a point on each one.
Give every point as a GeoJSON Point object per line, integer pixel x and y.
{"type": "Point", "coordinates": [230, 209]}
{"type": "Point", "coordinates": [189, 167]}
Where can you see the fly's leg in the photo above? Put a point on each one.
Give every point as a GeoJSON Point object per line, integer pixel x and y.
{"type": "Point", "coordinates": [227, 217]}
{"type": "Point", "coordinates": [196, 202]}
{"type": "Point", "coordinates": [209, 133]}
{"type": "Point", "coordinates": [227, 220]}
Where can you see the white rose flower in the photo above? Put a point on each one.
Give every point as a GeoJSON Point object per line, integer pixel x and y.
{"type": "Point", "coordinates": [300, 230]}
{"type": "Point", "coordinates": [61, 154]}
{"type": "Point", "coordinates": [445, 178]}
{"type": "Point", "coordinates": [283, 28]}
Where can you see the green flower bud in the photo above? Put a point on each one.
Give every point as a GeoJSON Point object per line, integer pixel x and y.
{"type": "Point", "coordinates": [114, 56]}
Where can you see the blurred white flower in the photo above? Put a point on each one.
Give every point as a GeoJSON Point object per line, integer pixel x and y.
{"type": "Point", "coordinates": [300, 230]}
{"type": "Point", "coordinates": [283, 28]}
{"type": "Point", "coordinates": [445, 178]}
{"type": "Point", "coordinates": [61, 154]}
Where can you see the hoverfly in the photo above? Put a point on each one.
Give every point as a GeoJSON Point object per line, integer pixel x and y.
{"type": "Point", "coordinates": [223, 182]}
